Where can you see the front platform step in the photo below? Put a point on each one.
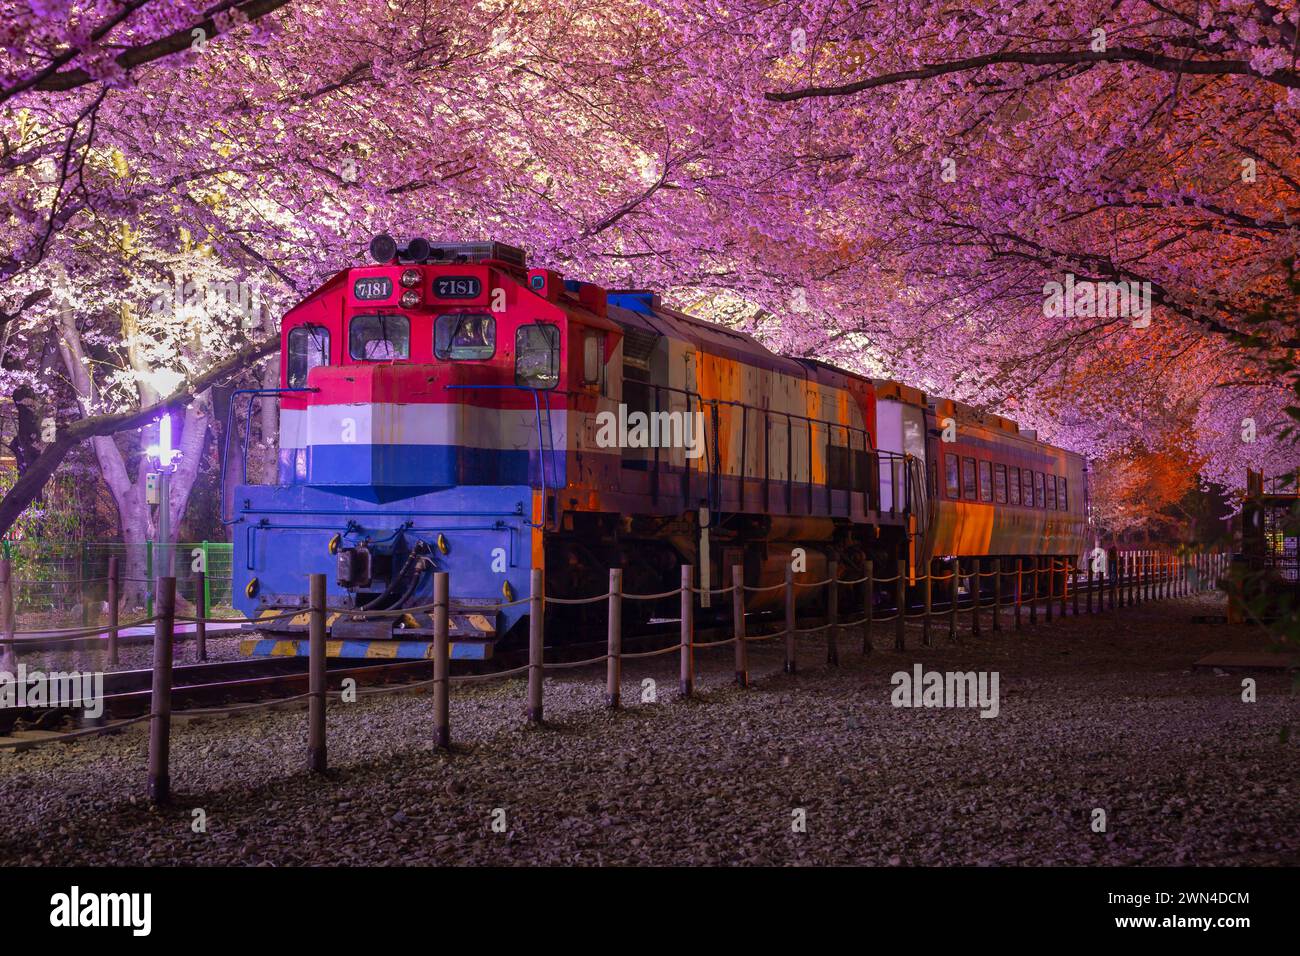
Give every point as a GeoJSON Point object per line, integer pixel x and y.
{"type": "Point", "coordinates": [407, 637]}
{"type": "Point", "coordinates": [380, 649]}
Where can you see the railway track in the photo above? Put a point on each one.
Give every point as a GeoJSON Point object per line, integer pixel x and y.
{"type": "Point", "coordinates": [127, 693]}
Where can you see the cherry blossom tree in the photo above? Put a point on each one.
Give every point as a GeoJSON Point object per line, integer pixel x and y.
{"type": "Point", "coordinates": [896, 187]}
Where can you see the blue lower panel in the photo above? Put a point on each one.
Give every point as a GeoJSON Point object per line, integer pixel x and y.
{"type": "Point", "coordinates": [371, 650]}
{"type": "Point", "coordinates": [424, 466]}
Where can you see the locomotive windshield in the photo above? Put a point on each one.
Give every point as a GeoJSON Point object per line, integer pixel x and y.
{"type": "Point", "coordinates": [464, 335]}
{"type": "Point", "coordinates": [537, 356]}
{"type": "Point", "coordinates": [379, 338]}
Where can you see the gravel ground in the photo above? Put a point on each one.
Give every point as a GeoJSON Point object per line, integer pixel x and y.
{"type": "Point", "coordinates": [1098, 712]}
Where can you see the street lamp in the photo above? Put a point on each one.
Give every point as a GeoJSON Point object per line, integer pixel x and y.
{"type": "Point", "coordinates": [166, 456]}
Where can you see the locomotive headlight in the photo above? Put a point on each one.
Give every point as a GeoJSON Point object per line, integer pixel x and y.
{"type": "Point", "coordinates": [410, 278]}
{"type": "Point", "coordinates": [410, 299]}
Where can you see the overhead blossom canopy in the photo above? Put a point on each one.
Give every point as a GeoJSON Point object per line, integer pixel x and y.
{"type": "Point", "coordinates": [897, 187]}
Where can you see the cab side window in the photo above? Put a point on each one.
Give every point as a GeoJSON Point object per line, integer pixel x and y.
{"type": "Point", "coordinates": [953, 476]}
{"type": "Point", "coordinates": [309, 347]}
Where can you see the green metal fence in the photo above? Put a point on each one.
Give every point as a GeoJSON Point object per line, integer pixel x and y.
{"type": "Point", "coordinates": [66, 582]}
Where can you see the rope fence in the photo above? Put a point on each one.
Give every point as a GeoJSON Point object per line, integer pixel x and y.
{"type": "Point", "coordinates": [1125, 579]}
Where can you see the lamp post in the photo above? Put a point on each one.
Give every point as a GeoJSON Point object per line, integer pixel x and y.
{"type": "Point", "coordinates": [166, 457]}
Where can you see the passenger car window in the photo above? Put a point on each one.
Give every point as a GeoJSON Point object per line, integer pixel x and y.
{"type": "Point", "coordinates": [537, 356]}
{"type": "Point", "coordinates": [379, 338]}
{"type": "Point", "coordinates": [309, 347]}
{"type": "Point", "coordinates": [1000, 484]}
{"type": "Point", "coordinates": [954, 475]}
{"type": "Point", "coordinates": [1013, 485]}
{"type": "Point", "coordinates": [1040, 491]}
{"type": "Point", "coordinates": [968, 478]}
{"type": "Point", "coordinates": [986, 481]}
{"type": "Point", "coordinates": [1051, 492]}
{"type": "Point", "coordinates": [1027, 485]}
{"type": "Point", "coordinates": [1065, 501]}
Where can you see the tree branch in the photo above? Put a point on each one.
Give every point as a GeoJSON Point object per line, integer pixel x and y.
{"type": "Point", "coordinates": [139, 55]}
{"type": "Point", "coordinates": [1121, 54]}
{"type": "Point", "coordinates": [30, 484]}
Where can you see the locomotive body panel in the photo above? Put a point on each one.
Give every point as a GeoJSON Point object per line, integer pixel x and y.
{"type": "Point", "coordinates": [479, 418]}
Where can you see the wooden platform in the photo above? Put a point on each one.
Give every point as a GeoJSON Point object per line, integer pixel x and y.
{"type": "Point", "coordinates": [1249, 661]}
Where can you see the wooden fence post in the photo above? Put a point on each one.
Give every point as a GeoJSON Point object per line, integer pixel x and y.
{"type": "Point", "coordinates": [81, 586]}
{"type": "Point", "coordinates": [1020, 584]}
{"type": "Point", "coordinates": [112, 608]}
{"type": "Point", "coordinates": [536, 643]}
{"type": "Point", "coordinates": [1119, 577]}
{"type": "Point", "coordinates": [929, 604]}
{"type": "Point", "coordinates": [1090, 581]}
{"type": "Point", "coordinates": [952, 593]}
{"type": "Point", "coordinates": [8, 655]}
{"type": "Point", "coordinates": [738, 624]}
{"type": "Point", "coordinates": [160, 701]}
{"type": "Point", "coordinates": [1051, 587]}
{"type": "Point", "coordinates": [868, 605]}
{"type": "Point", "coordinates": [1033, 592]}
{"type": "Point", "coordinates": [973, 585]}
{"type": "Point", "coordinates": [686, 677]}
{"type": "Point", "coordinates": [316, 762]}
{"type": "Point", "coordinates": [833, 615]}
{"type": "Point", "coordinates": [1112, 579]}
{"type": "Point", "coordinates": [442, 662]}
{"type": "Point", "coordinates": [614, 641]}
{"type": "Point", "coordinates": [1071, 587]}
{"type": "Point", "coordinates": [789, 619]}
{"type": "Point", "coordinates": [900, 595]}
{"type": "Point", "coordinates": [997, 594]}
{"type": "Point", "coordinates": [201, 613]}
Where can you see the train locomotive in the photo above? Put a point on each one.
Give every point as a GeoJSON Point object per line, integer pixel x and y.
{"type": "Point", "coordinates": [450, 408]}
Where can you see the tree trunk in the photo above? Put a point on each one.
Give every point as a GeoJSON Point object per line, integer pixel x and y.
{"type": "Point", "coordinates": [133, 515]}
{"type": "Point", "coordinates": [133, 511]}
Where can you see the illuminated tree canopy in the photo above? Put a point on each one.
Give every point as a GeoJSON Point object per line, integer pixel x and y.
{"type": "Point", "coordinates": [901, 188]}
